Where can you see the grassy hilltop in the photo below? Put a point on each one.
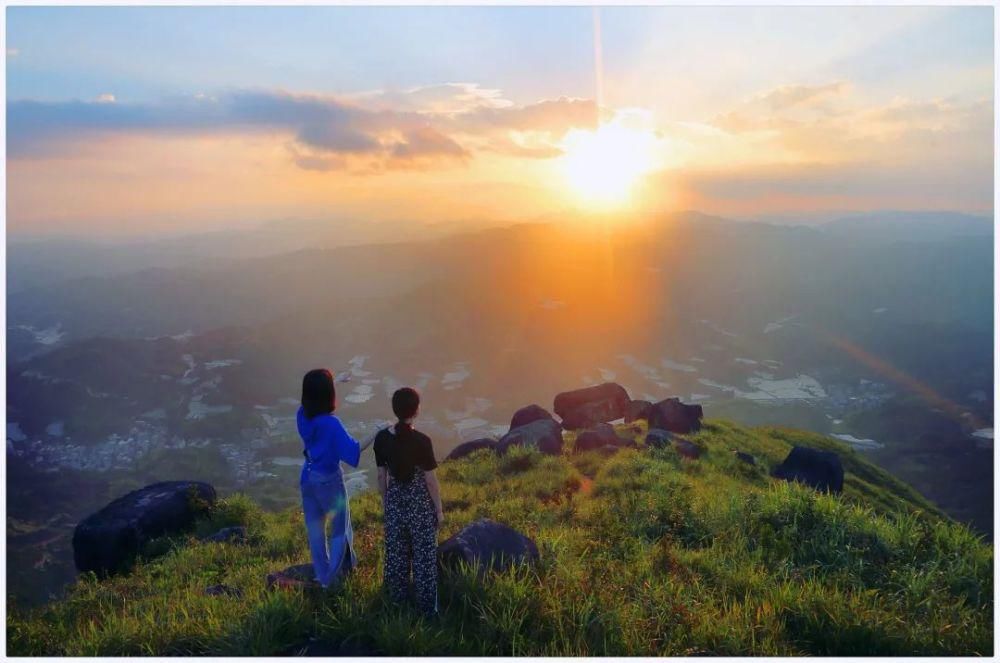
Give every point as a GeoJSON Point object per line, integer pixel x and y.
{"type": "Point", "coordinates": [642, 553]}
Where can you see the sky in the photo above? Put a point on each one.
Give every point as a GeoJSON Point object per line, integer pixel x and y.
{"type": "Point", "coordinates": [142, 121]}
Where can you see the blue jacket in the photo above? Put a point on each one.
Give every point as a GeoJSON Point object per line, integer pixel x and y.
{"type": "Point", "coordinates": [327, 443]}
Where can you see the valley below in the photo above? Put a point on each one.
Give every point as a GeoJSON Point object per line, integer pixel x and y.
{"type": "Point", "coordinates": [876, 344]}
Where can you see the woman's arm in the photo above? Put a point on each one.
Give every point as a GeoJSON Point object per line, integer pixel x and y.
{"type": "Point", "coordinates": [347, 447]}
{"type": "Point", "coordinates": [435, 490]}
{"type": "Point", "coordinates": [383, 481]}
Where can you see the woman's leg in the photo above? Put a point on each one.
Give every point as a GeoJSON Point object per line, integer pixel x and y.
{"type": "Point", "coordinates": [341, 543]}
{"type": "Point", "coordinates": [424, 531]}
{"type": "Point", "coordinates": [315, 515]}
{"type": "Point", "coordinates": [397, 563]}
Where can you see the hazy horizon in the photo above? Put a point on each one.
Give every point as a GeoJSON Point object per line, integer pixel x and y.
{"type": "Point", "coordinates": [130, 121]}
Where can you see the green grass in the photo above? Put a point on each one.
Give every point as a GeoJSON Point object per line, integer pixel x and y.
{"type": "Point", "coordinates": [643, 553]}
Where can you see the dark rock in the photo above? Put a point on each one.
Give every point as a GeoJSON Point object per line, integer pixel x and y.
{"type": "Point", "coordinates": [659, 438]}
{"type": "Point", "coordinates": [466, 448]}
{"type": "Point", "coordinates": [611, 449]}
{"type": "Point", "coordinates": [488, 545]}
{"type": "Point", "coordinates": [224, 590]}
{"type": "Point", "coordinates": [300, 576]}
{"type": "Point", "coordinates": [228, 535]}
{"type": "Point", "coordinates": [109, 540]}
{"type": "Point", "coordinates": [687, 448]}
{"type": "Point", "coordinates": [582, 408]}
{"type": "Point", "coordinates": [529, 414]}
{"type": "Point", "coordinates": [745, 457]}
{"type": "Point", "coordinates": [600, 436]}
{"type": "Point", "coordinates": [820, 469]}
{"type": "Point", "coordinates": [589, 440]}
{"type": "Point", "coordinates": [636, 410]}
{"type": "Point", "coordinates": [545, 434]}
{"type": "Point", "coordinates": [676, 417]}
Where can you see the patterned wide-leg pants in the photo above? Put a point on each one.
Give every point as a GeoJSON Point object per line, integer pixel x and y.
{"type": "Point", "coordinates": [411, 542]}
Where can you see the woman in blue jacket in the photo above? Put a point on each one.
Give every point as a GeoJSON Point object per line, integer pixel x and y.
{"type": "Point", "coordinates": [327, 443]}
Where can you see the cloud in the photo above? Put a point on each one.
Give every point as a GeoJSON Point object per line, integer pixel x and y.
{"type": "Point", "coordinates": [783, 107]}
{"type": "Point", "coordinates": [555, 115]}
{"type": "Point", "coordinates": [797, 146]}
{"type": "Point", "coordinates": [427, 141]}
{"type": "Point", "coordinates": [787, 96]}
{"type": "Point", "coordinates": [448, 98]}
{"type": "Point", "coordinates": [444, 123]}
{"type": "Point", "coordinates": [831, 123]}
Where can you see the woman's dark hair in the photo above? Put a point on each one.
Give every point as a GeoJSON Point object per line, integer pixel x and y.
{"type": "Point", "coordinates": [318, 394]}
{"type": "Point", "coordinates": [405, 402]}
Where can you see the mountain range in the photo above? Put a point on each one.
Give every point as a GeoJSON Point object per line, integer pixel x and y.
{"type": "Point", "coordinates": [153, 360]}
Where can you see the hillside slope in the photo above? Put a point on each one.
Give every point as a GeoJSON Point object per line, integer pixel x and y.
{"type": "Point", "coordinates": [642, 553]}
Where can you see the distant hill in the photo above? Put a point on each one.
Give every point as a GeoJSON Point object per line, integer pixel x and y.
{"type": "Point", "coordinates": [910, 226]}
{"type": "Point", "coordinates": [642, 553]}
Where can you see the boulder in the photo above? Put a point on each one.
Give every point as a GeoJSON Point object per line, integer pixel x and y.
{"type": "Point", "coordinates": [610, 449]}
{"type": "Point", "coordinates": [600, 436]}
{"type": "Point", "coordinates": [820, 469]}
{"type": "Point", "coordinates": [227, 535]}
{"type": "Point", "coordinates": [299, 576]}
{"type": "Point", "coordinates": [224, 590]}
{"type": "Point", "coordinates": [582, 408]}
{"type": "Point", "coordinates": [659, 438]}
{"type": "Point", "coordinates": [108, 541]}
{"type": "Point", "coordinates": [674, 416]}
{"type": "Point", "coordinates": [488, 545]}
{"type": "Point", "coordinates": [687, 448]}
{"type": "Point", "coordinates": [527, 415]}
{"type": "Point", "coordinates": [545, 434]}
{"type": "Point", "coordinates": [636, 410]}
{"type": "Point", "coordinates": [745, 457]}
{"type": "Point", "coordinates": [466, 448]}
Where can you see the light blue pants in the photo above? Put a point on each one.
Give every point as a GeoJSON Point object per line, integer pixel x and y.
{"type": "Point", "coordinates": [333, 555]}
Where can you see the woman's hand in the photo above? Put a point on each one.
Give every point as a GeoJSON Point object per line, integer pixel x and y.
{"type": "Point", "coordinates": [440, 518]}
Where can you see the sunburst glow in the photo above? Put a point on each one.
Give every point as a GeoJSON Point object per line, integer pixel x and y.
{"type": "Point", "coordinates": [602, 167]}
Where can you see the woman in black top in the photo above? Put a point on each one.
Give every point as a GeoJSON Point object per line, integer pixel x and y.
{"type": "Point", "coordinates": [411, 501]}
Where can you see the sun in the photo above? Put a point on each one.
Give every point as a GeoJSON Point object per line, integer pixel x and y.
{"type": "Point", "coordinates": [602, 167]}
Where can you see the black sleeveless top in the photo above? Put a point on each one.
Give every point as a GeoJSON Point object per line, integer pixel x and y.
{"type": "Point", "coordinates": [401, 453]}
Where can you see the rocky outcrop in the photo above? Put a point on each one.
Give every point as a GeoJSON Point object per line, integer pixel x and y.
{"type": "Point", "coordinates": [109, 540]}
{"type": "Point", "coordinates": [529, 414]}
{"type": "Point", "coordinates": [687, 449]}
{"type": "Point", "coordinates": [636, 410]}
{"type": "Point", "coordinates": [545, 434]}
{"type": "Point", "coordinates": [488, 545]}
{"type": "Point", "coordinates": [745, 457]}
{"type": "Point", "coordinates": [659, 438]}
{"type": "Point", "coordinates": [601, 435]}
{"type": "Point", "coordinates": [820, 469]}
{"type": "Point", "coordinates": [582, 408]}
{"type": "Point", "coordinates": [466, 448]}
{"type": "Point", "coordinates": [674, 416]}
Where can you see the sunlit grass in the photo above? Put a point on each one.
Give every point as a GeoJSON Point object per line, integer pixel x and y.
{"type": "Point", "coordinates": [643, 553]}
